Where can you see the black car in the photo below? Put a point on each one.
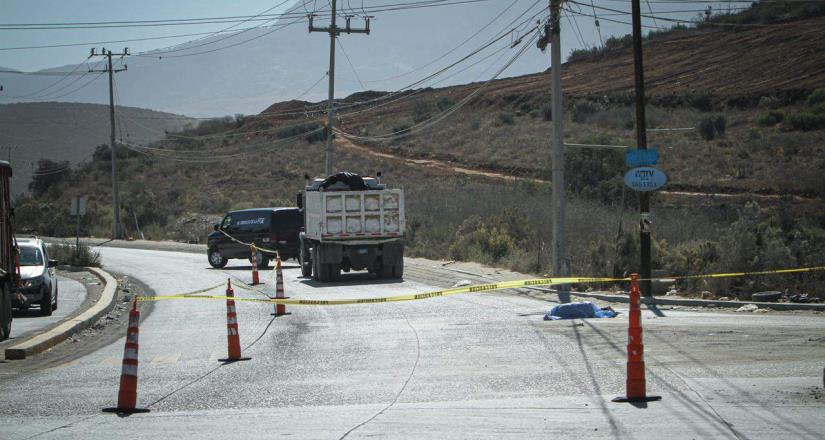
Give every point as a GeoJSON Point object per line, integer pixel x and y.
{"type": "Point", "coordinates": [267, 228]}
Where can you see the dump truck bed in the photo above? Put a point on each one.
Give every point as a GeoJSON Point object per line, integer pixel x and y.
{"type": "Point", "coordinates": [355, 215]}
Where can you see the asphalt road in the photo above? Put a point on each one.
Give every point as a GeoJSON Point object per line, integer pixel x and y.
{"type": "Point", "coordinates": [71, 295]}
{"type": "Point", "coordinates": [468, 366]}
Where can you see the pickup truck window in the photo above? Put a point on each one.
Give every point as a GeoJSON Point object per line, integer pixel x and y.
{"type": "Point", "coordinates": [251, 221]}
{"type": "Point", "coordinates": [227, 222]}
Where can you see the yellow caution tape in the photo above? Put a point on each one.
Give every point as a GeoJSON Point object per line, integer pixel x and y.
{"type": "Point", "coordinates": [195, 292]}
{"type": "Point", "coordinates": [264, 250]}
{"type": "Point", "coordinates": [740, 274]}
{"type": "Point", "coordinates": [399, 298]}
{"type": "Point", "coordinates": [458, 290]}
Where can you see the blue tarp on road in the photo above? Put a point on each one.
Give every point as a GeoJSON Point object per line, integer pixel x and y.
{"type": "Point", "coordinates": [578, 311]}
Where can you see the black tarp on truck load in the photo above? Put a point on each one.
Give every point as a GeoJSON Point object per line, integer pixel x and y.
{"type": "Point", "coordinates": [351, 181]}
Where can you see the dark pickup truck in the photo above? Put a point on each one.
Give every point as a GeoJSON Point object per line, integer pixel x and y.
{"type": "Point", "coordinates": [268, 228]}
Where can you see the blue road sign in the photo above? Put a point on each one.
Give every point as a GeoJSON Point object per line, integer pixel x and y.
{"type": "Point", "coordinates": [641, 158]}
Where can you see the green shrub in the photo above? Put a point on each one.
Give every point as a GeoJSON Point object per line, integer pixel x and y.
{"type": "Point", "coordinates": [818, 109]}
{"type": "Point", "coordinates": [66, 253]}
{"type": "Point", "coordinates": [444, 103]}
{"type": "Point", "coordinates": [816, 97]}
{"type": "Point", "coordinates": [771, 118]}
{"type": "Point", "coordinates": [48, 175]}
{"type": "Point", "coordinates": [316, 136]}
{"type": "Point", "coordinates": [706, 129]}
{"type": "Point", "coordinates": [421, 111]}
{"type": "Point", "coordinates": [506, 118]}
{"type": "Point", "coordinates": [581, 111]}
{"type": "Point", "coordinates": [805, 121]}
{"type": "Point", "coordinates": [547, 111]}
{"type": "Point", "coordinates": [699, 100]}
{"type": "Point", "coordinates": [493, 239]}
{"type": "Point", "coordinates": [401, 129]}
{"type": "Point", "coordinates": [720, 123]}
{"type": "Point", "coordinates": [296, 130]}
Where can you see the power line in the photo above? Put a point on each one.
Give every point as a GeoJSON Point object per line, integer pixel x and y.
{"type": "Point", "coordinates": [187, 46]}
{"type": "Point", "coordinates": [238, 19]}
{"type": "Point", "coordinates": [384, 8]}
{"type": "Point", "coordinates": [449, 111]}
{"type": "Point", "coordinates": [341, 45]}
{"type": "Point", "coordinates": [444, 55]}
{"type": "Point", "coordinates": [578, 35]}
{"type": "Point", "coordinates": [676, 20]}
{"type": "Point", "coordinates": [598, 27]}
{"type": "Point", "coordinates": [77, 67]}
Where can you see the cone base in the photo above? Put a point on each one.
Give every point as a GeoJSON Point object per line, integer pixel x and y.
{"type": "Point", "coordinates": [230, 360]}
{"type": "Point", "coordinates": [637, 399]}
{"type": "Point", "coordinates": [126, 410]}
{"type": "Point", "coordinates": [280, 314]}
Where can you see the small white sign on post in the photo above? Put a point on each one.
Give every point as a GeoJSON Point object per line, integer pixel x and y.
{"type": "Point", "coordinates": [78, 206]}
{"type": "Point", "coordinates": [645, 179]}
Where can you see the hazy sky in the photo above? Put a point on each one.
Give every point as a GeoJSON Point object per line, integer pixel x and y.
{"type": "Point", "coordinates": [46, 11]}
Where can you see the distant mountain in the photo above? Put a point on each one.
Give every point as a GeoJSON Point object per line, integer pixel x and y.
{"type": "Point", "coordinates": [278, 65]}
{"type": "Point", "coordinates": [70, 131]}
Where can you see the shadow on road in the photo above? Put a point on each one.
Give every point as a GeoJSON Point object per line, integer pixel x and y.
{"type": "Point", "coordinates": [707, 413]}
{"type": "Point", "coordinates": [249, 268]}
{"type": "Point", "coordinates": [240, 268]}
{"type": "Point", "coordinates": [28, 313]}
{"type": "Point", "coordinates": [349, 279]}
{"type": "Point", "coordinates": [656, 311]}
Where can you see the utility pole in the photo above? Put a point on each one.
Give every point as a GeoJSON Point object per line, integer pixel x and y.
{"type": "Point", "coordinates": [641, 143]}
{"type": "Point", "coordinates": [116, 233]}
{"type": "Point", "coordinates": [557, 109]}
{"type": "Point", "coordinates": [333, 32]}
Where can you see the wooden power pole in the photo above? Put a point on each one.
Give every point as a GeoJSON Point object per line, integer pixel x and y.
{"type": "Point", "coordinates": [641, 142]}
{"type": "Point", "coordinates": [116, 231]}
{"type": "Point", "coordinates": [333, 30]}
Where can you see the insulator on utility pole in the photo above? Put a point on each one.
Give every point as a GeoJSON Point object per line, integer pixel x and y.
{"type": "Point", "coordinates": [333, 32]}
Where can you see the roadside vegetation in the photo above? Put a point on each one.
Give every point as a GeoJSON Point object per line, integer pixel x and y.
{"type": "Point", "coordinates": [752, 163]}
{"type": "Point", "coordinates": [68, 254]}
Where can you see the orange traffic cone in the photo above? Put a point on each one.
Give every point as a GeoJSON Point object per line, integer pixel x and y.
{"type": "Point", "coordinates": [255, 279]}
{"type": "Point", "coordinates": [280, 309]}
{"type": "Point", "coordinates": [127, 395]}
{"type": "Point", "coordinates": [635, 386]}
{"type": "Point", "coordinates": [233, 339]}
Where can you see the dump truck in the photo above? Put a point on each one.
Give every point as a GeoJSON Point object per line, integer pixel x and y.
{"type": "Point", "coordinates": [9, 270]}
{"type": "Point", "coordinates": [351, 223]}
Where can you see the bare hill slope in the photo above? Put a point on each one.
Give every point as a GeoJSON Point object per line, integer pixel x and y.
{"type": "Point", "coordinates": [70, 131]}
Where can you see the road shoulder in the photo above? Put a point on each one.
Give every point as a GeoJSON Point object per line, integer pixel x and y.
{"type": "Point", "coordinates": [61, 331]}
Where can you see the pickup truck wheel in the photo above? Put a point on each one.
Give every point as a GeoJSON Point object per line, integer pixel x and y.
{"type": "Point", "coordinates": [385, 272]}
{"type": "Point", "coordinates": [305, 261]}
{"type": "Point", "coordinates": [46, 302]}
{"type": "Point", "coordinates": [264, 262]}
{"type": "Point", "coordinates": [216, 260]}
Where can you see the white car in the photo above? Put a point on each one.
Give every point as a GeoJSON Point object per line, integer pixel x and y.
{"type": "Point", "coordinates": [39, 281]}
